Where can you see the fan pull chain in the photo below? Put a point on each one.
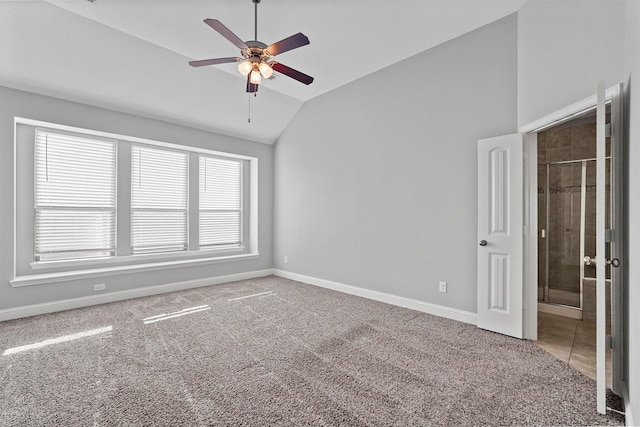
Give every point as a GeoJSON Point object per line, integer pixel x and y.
{"type": "Point", "coordinates": [249, 114]}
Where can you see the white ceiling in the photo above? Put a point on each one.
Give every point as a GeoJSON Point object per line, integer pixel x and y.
{"type": "Point", "coordinates": [132, 55]}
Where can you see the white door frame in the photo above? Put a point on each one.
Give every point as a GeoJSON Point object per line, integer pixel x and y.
{"type": "Point", "coordinates": [530, 244]}
{"type": "Point", "coordinates": [530, 291]}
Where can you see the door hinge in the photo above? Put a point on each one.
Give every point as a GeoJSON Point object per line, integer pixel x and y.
{"type": "Point", "coordinates": [607, 130]}
{"type": "Point", "coordinates": [608, 343]}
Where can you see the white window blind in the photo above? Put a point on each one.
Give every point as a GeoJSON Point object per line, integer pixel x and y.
{"type": "Point", "coordinates": [75, 196]}
{"type": "Point", "coordinates": [220, 202]}
{"type": "Point", "coordinates": [159, 180]}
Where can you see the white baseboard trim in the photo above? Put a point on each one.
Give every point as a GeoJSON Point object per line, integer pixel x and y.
{"type": "Point", "coordinates": [68, 304]}
{"type": "Point", "coordinates": [425, 307]}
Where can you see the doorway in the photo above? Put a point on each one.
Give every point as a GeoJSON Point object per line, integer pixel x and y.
{"type": "Point", "coordinates": [508, 266]}
{"type": "Point", "coordinates": [566, 170]}
{"type": "Point", "coordinates": [567, 216]}
{"type": "Point", "coordinates": [609, 287]}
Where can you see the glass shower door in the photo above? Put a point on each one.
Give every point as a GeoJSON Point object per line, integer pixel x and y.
{"type": "Point", "coordinates": [564, 214]}
{"type": "Point", "coordinates": [571, 230]}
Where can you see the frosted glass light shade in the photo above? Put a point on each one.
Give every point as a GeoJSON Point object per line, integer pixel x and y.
{"type": "Point", "coordinates": [245, 67]}
{"type": "Point", "coordinates": [265, 69]}
{"type": "Point", "coordinates": [255, 77]}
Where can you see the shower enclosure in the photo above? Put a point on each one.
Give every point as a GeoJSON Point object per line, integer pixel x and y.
{"type": "Point", "coordinates": [567, 238]}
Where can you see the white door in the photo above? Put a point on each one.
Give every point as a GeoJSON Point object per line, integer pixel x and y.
{"type": "Point", "coordinates": [609, 244]}
{"type": "Point", "coordinates": [500, 234]}
{"type": "Point", "coordinates": [616, 243]}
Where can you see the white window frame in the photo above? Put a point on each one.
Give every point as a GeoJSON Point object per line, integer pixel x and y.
{"type": "Point", "coordinates": [28, 272]}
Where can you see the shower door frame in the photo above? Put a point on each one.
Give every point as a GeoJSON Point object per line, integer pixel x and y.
{"type": "Point", "coordinates": [583, 205]}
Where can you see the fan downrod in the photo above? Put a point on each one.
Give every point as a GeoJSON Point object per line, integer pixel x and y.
{"type": "Point", "coordinates": [255, 21]}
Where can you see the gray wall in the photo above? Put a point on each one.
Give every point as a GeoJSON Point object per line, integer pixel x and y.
{"type": "Point", "coordinates": [564, 48]}
{"type": "Point", "coordinates": [28, 105]}
{"type": "Point", "coordinates": [376, 181]}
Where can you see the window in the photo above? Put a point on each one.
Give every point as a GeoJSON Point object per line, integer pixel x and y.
{"type": "Point", "coordinates": [158, 200]}
{"type": "Point", "coordinates": [92, 202]}
{"type": "Point", "coordinates": [74, 197]}
{"type": "Point", "coordinates": [220, 202]}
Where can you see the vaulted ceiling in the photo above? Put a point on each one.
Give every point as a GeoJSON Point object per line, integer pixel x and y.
{"type": "Point", "coordinates": [132, 55]}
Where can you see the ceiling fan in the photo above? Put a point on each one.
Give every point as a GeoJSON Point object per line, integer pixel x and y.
{"type": "Point", "coordinates": [255, 61]}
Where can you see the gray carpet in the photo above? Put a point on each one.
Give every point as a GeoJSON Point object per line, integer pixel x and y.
{"type": "Point", "coordinates": [292, 355]}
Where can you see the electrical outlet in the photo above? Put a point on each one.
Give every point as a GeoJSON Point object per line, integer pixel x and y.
{"type": "Point", "coordinates": [99, 287]}
{"type": "Point", "coordinates": [442, 287]}
{"type": "Point", "coordinates": [286, 259]}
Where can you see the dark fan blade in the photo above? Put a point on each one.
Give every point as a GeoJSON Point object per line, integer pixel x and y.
{"type": "Point", "coordinates": [203, 62]}
{"type": "Point", "coordinates": [225, 32]}
{"type": "Point", "coordinates": [294, 74]}
{"type": "Point", "coordinates": [287, 44]}
{"type": "Point", "coordinates": [251, 88]}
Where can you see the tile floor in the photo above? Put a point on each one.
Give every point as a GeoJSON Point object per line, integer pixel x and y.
{"type": "Point", "coordinates": [570, 340]}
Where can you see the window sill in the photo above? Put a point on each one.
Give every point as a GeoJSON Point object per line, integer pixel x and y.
{"type": "Point", "coordinates": [44, 278]}
{"type": "Point", "coordinates": [137, 259]}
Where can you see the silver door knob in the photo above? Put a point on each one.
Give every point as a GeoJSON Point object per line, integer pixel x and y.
{"type": "Point", "coordinates": [592, 262]}
{"type": "Point", "coordinates": [613, 262]}
{"type": "Point", "coordinates": [483, 243]}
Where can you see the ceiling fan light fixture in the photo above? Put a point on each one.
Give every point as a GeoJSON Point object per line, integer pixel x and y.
{"type": "Point", "coordinates": [255, 77]}
{"type": "Point", "coordinates": [245, 67]}
{"type": "Point", "coordinates": [254, 63]}
{"type": "Point", "coordinates": [265, 69]}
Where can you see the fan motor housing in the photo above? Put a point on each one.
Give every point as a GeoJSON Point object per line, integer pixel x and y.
{"type": "Point", "coordinates": [255, 44]}
{"type": "Point", "coordinates": [256, 50]}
